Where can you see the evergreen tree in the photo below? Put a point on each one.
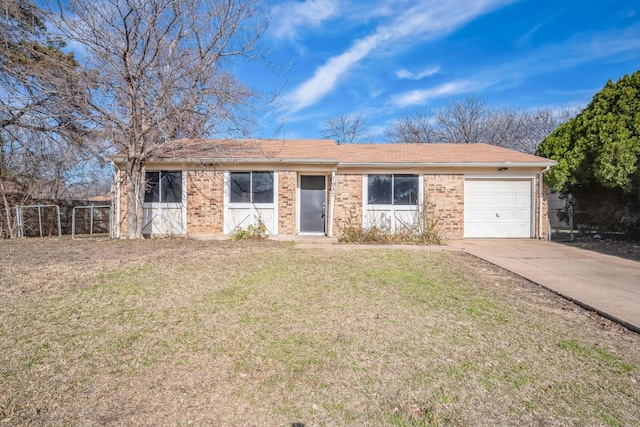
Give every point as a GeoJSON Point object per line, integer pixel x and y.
{"type": "Point", "coordinates": [598, 154]}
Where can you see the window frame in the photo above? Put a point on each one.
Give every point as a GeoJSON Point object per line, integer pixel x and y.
{"type": "Point", "coordinates": [160, 189]}
{"type": "Point", "coordinates": [252, 193]}
{"type": "Point", "coordinates": [393, 204]}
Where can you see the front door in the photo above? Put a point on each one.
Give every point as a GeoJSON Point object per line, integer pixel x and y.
{"type": "Point", "coordinates": [312, 203]}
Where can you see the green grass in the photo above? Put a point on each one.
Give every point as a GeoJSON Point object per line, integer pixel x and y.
{"type": "Point", "coordinates": [259, 333]}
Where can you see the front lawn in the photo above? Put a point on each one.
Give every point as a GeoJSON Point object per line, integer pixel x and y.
{"type": "Point", "coordinates": [178, 332]}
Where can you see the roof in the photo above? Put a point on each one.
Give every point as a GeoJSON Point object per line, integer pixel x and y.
{"type": "Point", "coordinates": [105, 197]}
{"type": "Point", "coordinates": [327, 151]}
{"type": "Point", "coordinates": [433, 154]}
{"type": "Point", "coordinates": [245, 149]}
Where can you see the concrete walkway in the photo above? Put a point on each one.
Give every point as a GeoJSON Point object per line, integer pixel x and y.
{"type": "Point", "coordinates": [605, 284]}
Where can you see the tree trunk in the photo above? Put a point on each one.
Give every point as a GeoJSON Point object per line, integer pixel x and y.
{"type": "Point", "coordinates": [7, 210]}
{"type": "Point", "coordinates": [135, 199]}
{"type": "Point", "coordinates": [142, 185]}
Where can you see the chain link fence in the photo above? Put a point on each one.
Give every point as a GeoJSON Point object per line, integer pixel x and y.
{"type": "Point", "coordinates": [606, 218]}
{"type": "Point", "coordinates": [53, 221]}
{"type": "Point", "coordinates": [92, 221]}
{"type": "Point", "coordinates": [37, 221]}
{"type": "Point", "coordinates": [568, 224]}
{"type": "Point", "coordinates": [561, 225]}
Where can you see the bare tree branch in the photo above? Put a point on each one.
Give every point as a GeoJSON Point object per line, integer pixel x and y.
{"type": "Point", "coordinates": [462, 121]}
{"type": "Point", "coordinates": [161, 70]}
{"type": "Point", "coordinates": [43, 130]}
{"type": "Point", "coordinates": [346, 128]}
{"type": "Point", "coordinates": [470, 120]}
{"type": "Point", "coordinates": [417, 128]}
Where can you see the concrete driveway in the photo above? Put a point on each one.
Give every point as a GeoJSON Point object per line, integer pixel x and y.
{"type": "Point", "coordinates": [605, 284]}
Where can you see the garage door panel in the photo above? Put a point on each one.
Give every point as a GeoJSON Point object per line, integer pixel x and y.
{"type": "Point", "coordinates": [485, 215]}
{"type": "Point", "coordinates": [504, 215]}
{"type": "Point", "coordinates": [524, 215]}
{"type": "Point", "coordinates": [497, 208]}
{"type": "Point", "coordinates": [502, 200]}
{"type": "Point", "coordinates": [478, 198]}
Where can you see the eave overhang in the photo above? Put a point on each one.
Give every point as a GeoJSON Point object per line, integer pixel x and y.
{"type": "Point", "coordinates": [336, 163]}
{"type": "Point", "coordinates": [402, 165]}
{"type": "Point", "coordinates": [232, 160]}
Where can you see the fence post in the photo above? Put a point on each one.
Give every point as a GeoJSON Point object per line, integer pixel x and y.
{"type": "Point", "coordinates": [19, 225]}
{"type": "Point", "coordinates": [91, 221]}
{"type": "Point", "coordinates": [40, 221]}
{"type": "Point", "coordinates": [571, 222]}
{"type": "Point", "coordinates": [82, 231]}
{"type": "Point", "coordinates": [59, 222]}
{"type": "Point", "coordinates": [73, 223]}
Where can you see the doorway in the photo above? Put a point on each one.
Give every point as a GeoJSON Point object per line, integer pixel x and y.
{"type": "Point", "coordinates": [313, 198]}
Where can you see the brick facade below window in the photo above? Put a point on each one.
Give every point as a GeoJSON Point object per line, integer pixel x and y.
{"type": "Point", "coordinates": [205, 197]}
{"type": "Point", "coordinates": [444, 200]}
{"type": "Point", "coordinates": [347, 202]}
{"type": "Point", "coordinates": [287, 184]}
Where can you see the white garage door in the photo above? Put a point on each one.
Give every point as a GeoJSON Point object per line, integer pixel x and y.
{"type": "Point", "coordinates": [497, 208]}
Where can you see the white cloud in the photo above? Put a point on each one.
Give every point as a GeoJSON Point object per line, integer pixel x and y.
{"type": "Point", "coordinates": [423, 96]}
{"type": "Point", "coordinates": [588, 47]}
{"type": "Point", "coordinates": [290, 17]}
{"type": "Point", "coordinates": [406, 74]}
{"type": "Point", "coordinates": [326, 76]}
{"type": "Point", "coordinates": [626, 14]}
{"type": "Point", "coordinates": [577, 51]}
{"type": "Point", "coordinates": [426, 20]}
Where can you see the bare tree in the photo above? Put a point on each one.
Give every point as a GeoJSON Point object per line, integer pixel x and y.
{"type": "Point", "coordinates": [462, 121]}
{"type": "Point", "coordinates": [470, 120]}
{"type": "Point", "coordinates": [162, 69]}
{"type": "Point", "coordinates": [540, 123]}
{"type": "Point", "coordinates": [504, 127]}
{"type": "Point", "coordinates": [417, 128]}
{"type": "Point", "coordinates": [346, 128]}
{"type": "Point", "coordinates": [521, 130]}
{"type": "Point", "coordinates": [42, 131]}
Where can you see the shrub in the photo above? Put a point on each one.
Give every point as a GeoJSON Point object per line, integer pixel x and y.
{"type": "Point", "coordinates": [252, 232]}
{"type": "Point", "coordinates": [359, 234]}
{"type": "Point", "coordinates": [423, 230]}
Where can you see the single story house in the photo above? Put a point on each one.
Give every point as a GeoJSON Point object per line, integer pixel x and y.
{"type": "Point", "coordinates": [317, 187]}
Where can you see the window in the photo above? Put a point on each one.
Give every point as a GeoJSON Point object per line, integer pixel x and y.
{"type": "Point", "coordinates": [393, 189]}
{"type": "Point", "coordinates": [163, 187]}
{"type": "Point", "coordinates": [251, 187]}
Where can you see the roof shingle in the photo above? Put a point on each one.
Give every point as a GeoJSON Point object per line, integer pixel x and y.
{"type": "Point", "coordinates": [203, 149]}
{"type": "Point", "coordinates": [432, 153]}
{"type": "Point", "coordinates": [348, 154]}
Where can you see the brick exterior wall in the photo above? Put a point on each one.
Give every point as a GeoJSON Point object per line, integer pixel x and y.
{"type": "Point", "coordinates": [444, 200]}
{"type": "Point", "coordinates": [205, 196]}
{"type": "Point", "coordinates": [287, 183]}
{"type": "Point", "coordinates": [443, 197]}
{"type": "Point", "coordinates": [545, 211]}
{"type": "Point", "coordinates": [347, 202]}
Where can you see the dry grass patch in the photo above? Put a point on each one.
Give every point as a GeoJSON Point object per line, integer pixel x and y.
{"type": "Point", "coordinates": [168, 332]}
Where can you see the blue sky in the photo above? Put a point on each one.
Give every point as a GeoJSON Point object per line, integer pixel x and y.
{"type": "Point", "coordinates": [387, 58]}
